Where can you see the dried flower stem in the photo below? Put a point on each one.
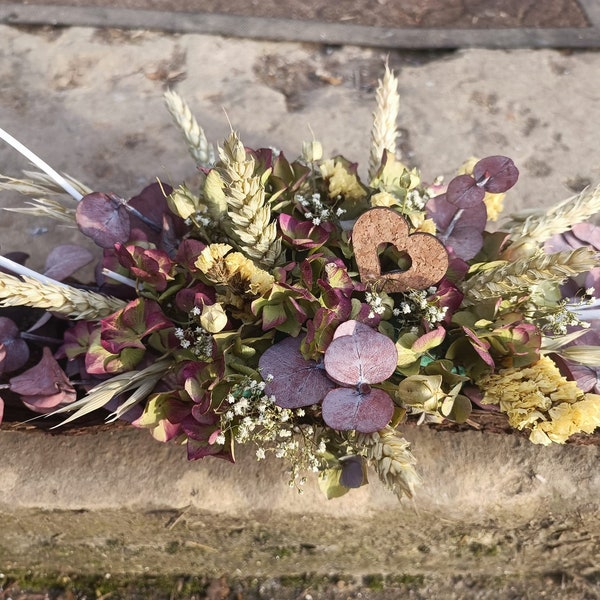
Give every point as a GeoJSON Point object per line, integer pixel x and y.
{"type": "Point", "coordinates": [142, 382]}
{"type": "Point", "coordinates": [40, 164]}
{"type": "Point", "coordinates": [384, 132]}
{"type": "Point", "coordinates": [41, 292]}
{"type": "Point", "coordinates": [44, 207]}
{"type": "Point", "coordinates": [202, 152]}
{"type": "Point", "coordinates": [509, 277]}
{"type": "Point", "coordinates": [392, 459]}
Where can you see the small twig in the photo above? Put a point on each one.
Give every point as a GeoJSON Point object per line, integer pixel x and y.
{"type": "Point", "coordinates": [15, 267]}
{"type": "Point", "coordinates": [40, 164]}
{"type": "Point", "coordinates": [134, 211]}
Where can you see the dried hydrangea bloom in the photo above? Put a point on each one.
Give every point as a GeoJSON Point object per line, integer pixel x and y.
{"type": "Point", "coordinates": [538, 397]}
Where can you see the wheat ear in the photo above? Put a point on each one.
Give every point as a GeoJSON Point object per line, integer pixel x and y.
{"type": "Point", "coordinates": [509, 277]}
{"type": "Point", "coordinates": [384, 132]}
{"type": "Point", "coordinates": [392, 459]}
{"type": "Point", "coordinates": [248, 211]}
{"type": "Point", "coordinates": [56, 297]}
{"type": "Point", "coordinates": [542, 225]}
{"type": "Point", "coordinates": [200, 149]}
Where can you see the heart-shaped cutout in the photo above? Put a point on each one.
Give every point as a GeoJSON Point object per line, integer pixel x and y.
{"type": "Point", "coordinates": [428, 256]}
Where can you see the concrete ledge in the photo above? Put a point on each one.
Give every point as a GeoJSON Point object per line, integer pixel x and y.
{"type": "Point", "coordinates": [468, 474]}
{"type": "Point", "coordinates": [120, 501]}
{"type": "Point", "coordinates": [307, 31]}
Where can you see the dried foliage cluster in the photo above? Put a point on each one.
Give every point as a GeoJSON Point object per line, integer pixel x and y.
{"type": "Point", "coordinates": [294, 307]}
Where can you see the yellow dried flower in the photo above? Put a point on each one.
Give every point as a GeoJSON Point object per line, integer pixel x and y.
{"type": "Point", "coordinates": [341, 182]}
{"type": "Point", "coordinates": [539, 398]}
{"type": "Point", "coordinates": [213, 318]}
{"type": "Point", "coordinates": [568, 418]}
{"type": "Point", "coordinates": [211, 256]}
{"type": "Point", "coordinates": [234, 270]}
{"type": "Point", "coordinates": [384, 199]}
{"type": "Point", "coordinates": [257, 280]}
{"type": "Point", "coordinates": [427, 226]}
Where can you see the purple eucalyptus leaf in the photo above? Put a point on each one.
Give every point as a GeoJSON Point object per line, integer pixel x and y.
{"type": "Point", "coordinates": [463, 192]}
{"type": "Point", "coordinates": [347, 409]}
{"type": "Point", "coordinates": [588, 234]}
{"type": "Point", "coordinates": [103, 220]}
{"type": "Point", "coordinates": [496, 174]}
{"type": "Point", "coordinates": [15, 351]}
{"type": "Point", "coordinates": [353, 472]}
{"type": "Point", "coordinates": [64, 260]}
{"type": "Point", "coordinates": [295, 381]}
{"type": "Point", "coordinates": [364, 356]}
{"type": "Point", "coordinates": [465, 241]}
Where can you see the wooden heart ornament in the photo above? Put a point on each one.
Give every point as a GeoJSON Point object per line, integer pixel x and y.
{"type": "Point", "coordinates": [427, 256]}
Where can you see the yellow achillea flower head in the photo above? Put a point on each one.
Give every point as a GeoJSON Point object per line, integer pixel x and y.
{"type": "Point", "coordinates": [234, 270]}
{"type": "Point", "coordinates": [567, 419]}
{"type": "Point", "coordinates": [258, 281]}
{"type": "Point", "coordinates": [539, 398]}
{"type": "Point", "coordinates": [212, 256]}
{"type": "Point", "coordinates": [384, 199]}
{"type": "Point", "coordinates": [341, 182]}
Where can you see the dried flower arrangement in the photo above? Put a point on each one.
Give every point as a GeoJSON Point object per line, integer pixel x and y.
{"type": "Point", "coordinates": [292, 306]}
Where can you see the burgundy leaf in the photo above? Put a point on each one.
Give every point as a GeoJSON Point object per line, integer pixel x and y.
{"type": "Point", "coordinates": [15, 351]}
{"type": "Point", "coordinates": [45, 386]}
{"type": "Point", "coordinates": [443, 213]}
{"type": "Point", "coordinates": [103, 220]}
{"type": "Point", "coordinates": [480, 346]}
{"type": "Point", "coordinates": [465, 241]}
{"type": "Point", "coordinates": [348, 409]}
{"type": "Point", "coordinates": [64, 260]}
{"type": "Point", "coordinates": [296, 381]}
{"type": "Point", "coordinates": [496, 174]}
{"type": "Point", "coordinates": [464, 192]}
{"type": "Point", "coordinates": [364, 356]}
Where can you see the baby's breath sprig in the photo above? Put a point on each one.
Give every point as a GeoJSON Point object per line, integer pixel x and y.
{"type": "Point", "coordinates": [418, 305]}
{"type": "Point", "coordinates": [316, 210]}
{"type": "Point", "coordinates": [248, 415]}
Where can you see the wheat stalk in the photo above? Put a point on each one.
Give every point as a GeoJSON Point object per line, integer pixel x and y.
{"type": "Point", "coordinates": [40, 164]}
{"type": "Point", "coordinates": [392, 459]}
{"type": "Point", "coordinates": [200, 149]}
{"type": "Point", "coordinates": [384, 132]}
{"type": "Point", "coordinates": [56, 297]}
{"type": "Point", "coordinates": [540, 226]}
{"type": "Point", "coordinates": [247, 208]}
{"type": "Point", "coordinates": [142, 382]}
{"type": "Point", "coordinates": [509, 277]}
{"type": "Point", "coordinates": [45, 207]}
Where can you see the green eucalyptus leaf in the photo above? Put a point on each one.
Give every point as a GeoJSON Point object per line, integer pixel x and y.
{"type": "Point", "coordinates": [461, 409]}
{"type": "Point", "coordinates": [329, 483]}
